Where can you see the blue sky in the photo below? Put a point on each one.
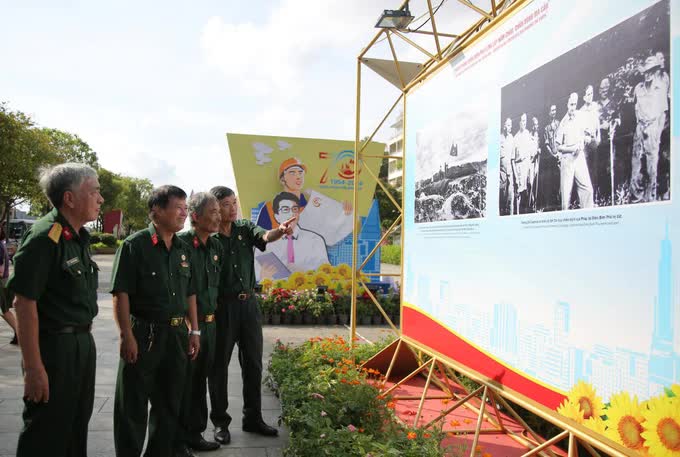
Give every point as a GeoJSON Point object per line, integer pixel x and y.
{"type": "Point", "coordinates": [154, 86]}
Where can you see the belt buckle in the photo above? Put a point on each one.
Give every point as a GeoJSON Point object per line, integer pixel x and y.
{"type": "Point", "coordinates": [175, 321]}
{"type": "Point", "coordinates": [242, 296]}
{"type": "Point", "coordinates": [209, 318]}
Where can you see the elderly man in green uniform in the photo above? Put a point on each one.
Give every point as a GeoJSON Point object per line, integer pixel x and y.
{"type": "Point", "coordinates": [238, 317]}
{"type": "Point", "coordinates": [153, 292]}
{"type": "Point", "coordinates": [204, 212]}
{"type": "Point", "coordinates": [55, 283]}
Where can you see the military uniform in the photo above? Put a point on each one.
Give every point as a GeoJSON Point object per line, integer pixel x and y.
{"type": "Point", "coordinates": [158, 282]}
{"type": "Point", "coordinates": [53, 267]}
{"type": "Point", "coordinates": [207, 259]}
{"type": "Point", "coordinates": [238, 321]}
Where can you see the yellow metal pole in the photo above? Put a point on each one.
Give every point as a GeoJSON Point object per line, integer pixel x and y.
{"type": "Point", "coordinates": [550, 442]}
{"type": "Point", "coordinates": [424, 396]}
{"type": "Point", "coordinates": [480, 419]}
{"type": "Point", "coordinates": [396, 61]}
{"type": "Point", "coordinates": [370, 138]}
{"type": "Point", "coordinates": [434, 29]}
{"type": "Point", "coordinates": [355, 212]}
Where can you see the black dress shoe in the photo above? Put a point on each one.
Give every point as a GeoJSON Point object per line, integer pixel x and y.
{"type": "Point", "coordinates": [260, 428]}
{"type": "Point", "coordinates": [203, 445]}
{"type": "Point", "coordinates": [184, 452]}
{"type": "Point", "coordinates": [222, 435]}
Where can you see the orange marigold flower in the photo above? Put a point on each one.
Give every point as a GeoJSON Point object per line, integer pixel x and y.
{"type": "Point", "coordinates": [454, 423]}
{"type": "Point", "coordinates": [426, 435]}
{"type": "Point", "coordinates": [411, 435]}
{"type": "Point", "coordinates": [486, 454]}
{"type": "Point", "coordinates": [390, 404]}
{"type": "Point", "coordinates": [467, 421]}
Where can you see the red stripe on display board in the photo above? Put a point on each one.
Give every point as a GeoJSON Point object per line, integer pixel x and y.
{"type": "Point", "coordinates": [432, 334]}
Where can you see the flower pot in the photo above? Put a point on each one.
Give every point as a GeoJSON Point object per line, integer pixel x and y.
{"type": "Point", "coordinates": [266, 319]}
{"type": "Point", "coordinates": [308, 319]}
{"type": "Point", "coordinates": [343, 319]}
{"type": "Point", "coordinates": [287, 319]}
{"type": "Point", "coordinates": [276, 319]}
{"type": "Point", "coordinates": [330, 319]}
{"type": "Point", "coordinates": [297, 319]}
{"type": "Point", "coordinates": [376, 319]}
{"type": "Point", "coordinates": [365, 320]}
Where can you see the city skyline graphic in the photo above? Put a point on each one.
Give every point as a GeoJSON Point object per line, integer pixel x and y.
{"type": "Point", "coordinates": [551, 353]}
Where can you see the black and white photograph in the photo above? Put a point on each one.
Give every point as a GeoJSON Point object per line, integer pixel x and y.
{"type": "Point", "coordinates": [451, 167]}
{"type": "Point", "coordinates": [591, 128]}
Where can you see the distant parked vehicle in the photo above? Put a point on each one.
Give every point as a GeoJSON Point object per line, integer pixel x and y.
{"type": "Point", "coordinates": [17, 228]}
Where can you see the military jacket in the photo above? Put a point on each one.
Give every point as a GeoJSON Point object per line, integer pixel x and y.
{"type": "Point", "coordinates": [238, 267]}
{"type": "Point", "coordinates": [207, 259]}
{"type": "Point", "coordinates": [157, 280]}
{"type": "Point", "coordinates": [53, 266]}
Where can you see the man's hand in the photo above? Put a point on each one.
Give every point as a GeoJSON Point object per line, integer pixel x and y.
{"type": "Point", "coordinates": [36, 385]}
{"type": "Point", "coordinates": [194, 346]}
{"type": "Point", "coordinates": [286, 227]}
{"type": "Point", "coordinates": [128, 349]}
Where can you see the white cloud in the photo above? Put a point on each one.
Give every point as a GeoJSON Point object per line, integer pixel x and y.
{"type": "Point", "coordinates": [272, 58]}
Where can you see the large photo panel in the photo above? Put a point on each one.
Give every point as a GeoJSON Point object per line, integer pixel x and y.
{"type": "Point", "coordinates": [563, 285]}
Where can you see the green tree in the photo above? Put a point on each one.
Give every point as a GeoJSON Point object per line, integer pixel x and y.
{"type": "Point", "coordinates": [65, 147]}
{"type": "Point", "coordinates": [71, 148]}
{"type": "Point", "coordinates": [128, 194]}
{"type": "Point", "coordinates": [24, 149]}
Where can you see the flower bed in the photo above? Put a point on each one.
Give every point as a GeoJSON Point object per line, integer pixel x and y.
{"type": "Point", "coordinates": [322, 296]}
{"type": "Point", "coordinates": [333, 407]}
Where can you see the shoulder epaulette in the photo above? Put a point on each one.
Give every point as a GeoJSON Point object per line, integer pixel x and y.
{"type": "Point", "coordinates": [55, 232]}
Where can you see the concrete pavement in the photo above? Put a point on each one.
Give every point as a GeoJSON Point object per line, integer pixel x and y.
{"type": "Point", "coordinates": [100, 442]}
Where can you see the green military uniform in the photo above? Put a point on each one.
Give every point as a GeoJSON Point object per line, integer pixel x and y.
{"type": "Point", "coordinates": [238, 321]}
{"type": "Point", "coordinates": [158, 282]}
{"type": "Point", "coordinates": [207, 259]}
{"type": "Point", "coordinates": [54, 268]}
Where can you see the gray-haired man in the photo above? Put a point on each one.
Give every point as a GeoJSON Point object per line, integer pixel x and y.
{"type": "Point", "coordinates": [206, 251]}
{"type": "Point", "coordinates": [55, 283]}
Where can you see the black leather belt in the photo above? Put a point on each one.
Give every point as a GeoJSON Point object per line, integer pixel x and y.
{"type": "Point", "coordinates": [172, 321]}
{"type": "Point", "coordinates": [243, 296]}
{"type": "Point", "coordinates": [86, 328]}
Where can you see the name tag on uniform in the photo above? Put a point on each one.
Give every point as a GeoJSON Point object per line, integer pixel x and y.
{"type": "Point", "coordinates": [73, 261]}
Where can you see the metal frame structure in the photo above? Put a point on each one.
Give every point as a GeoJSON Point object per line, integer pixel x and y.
{"type": "Point", "coordinates": [438, 368]}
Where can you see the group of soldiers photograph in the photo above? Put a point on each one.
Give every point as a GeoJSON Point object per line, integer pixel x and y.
{"type": "Point", "coordinates": [604, 152]}
{"type": "Point", "coordinates": [181, 301]}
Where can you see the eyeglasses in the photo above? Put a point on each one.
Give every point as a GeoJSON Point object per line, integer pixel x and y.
{"type": "Point", "coordinates": [288, 209]}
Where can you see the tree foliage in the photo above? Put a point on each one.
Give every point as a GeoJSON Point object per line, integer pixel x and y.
{"type": "Point", "coordinates": [26, 148]}
{"type": "Point", "coordinates": [23, 150]}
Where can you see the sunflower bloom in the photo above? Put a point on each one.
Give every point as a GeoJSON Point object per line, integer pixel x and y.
{"type": "Point", "coordinates": [296, 280]}
{"type": "Point", "coordinates": [344, 270]}
{"type": "Point", "coordinates": [595, 424]}
{"type": "Point", "coordinates": [326, 268]}
{"type": "Point", "coordinates": [583, 395]}
{"type": "Point", "coordinates": [662, 427]}
{"type": "Point", "coordinates": [321, 279]}
{"type": "Point", "coordinates": [267, 284]}
{"type": "Point", "coordinates": [625, 421]}
{"type": "Point", "coordinates": [570, 410]}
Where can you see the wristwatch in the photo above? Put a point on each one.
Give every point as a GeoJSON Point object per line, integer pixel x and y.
{"type": "Point", "coordinates": [195, 332]}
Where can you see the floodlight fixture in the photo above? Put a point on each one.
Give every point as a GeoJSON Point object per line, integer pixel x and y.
{"type": "Point", "coordinates": [395, 19]}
